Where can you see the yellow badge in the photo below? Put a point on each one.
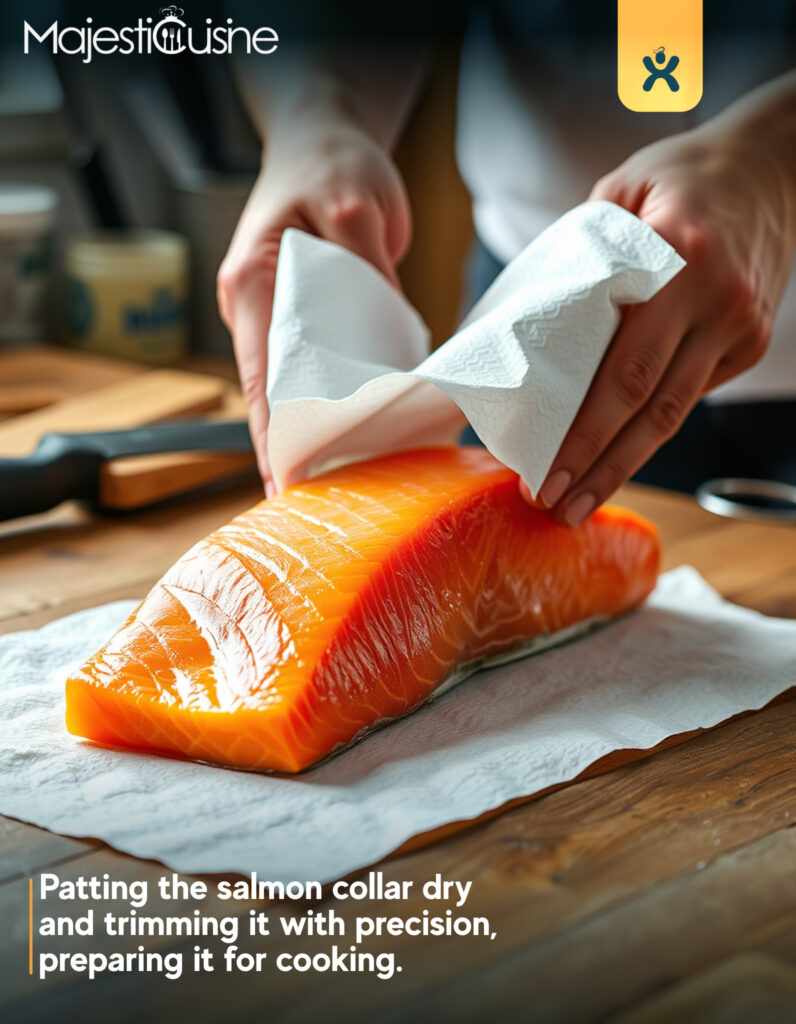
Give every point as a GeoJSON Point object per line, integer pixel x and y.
{"type": "Point", "coordinates": [659, 54]}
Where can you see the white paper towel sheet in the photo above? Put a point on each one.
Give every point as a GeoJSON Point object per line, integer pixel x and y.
{"type": "Point", "coordinates": [686, 660]}
{"type": "Point", "coordinates": [347, 377]}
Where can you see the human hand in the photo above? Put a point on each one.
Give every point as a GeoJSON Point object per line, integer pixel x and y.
{"type": "Point", "coordinates": [727, 204]}
{"type": "Point", "coordinates": [325, 176]}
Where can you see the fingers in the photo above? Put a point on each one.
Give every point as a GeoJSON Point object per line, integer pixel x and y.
{"type": "Point", "coordinates": [398, 220]}
{"type": "Point", "coordinates": [743, 355]}
{"type": "Point", "coordinates": [357, 223]}
{"type": "Point", "coordinates": [250, 339]}
{"type": "Point", "coordinates": [621, 189]}
{"type": "Point", "coordinates": [246, 296]}
{"type": "Point", "coordinates": [609, 188]}
{"type": "Point", "coordinates": [246, 291]}
{"type": "Point", "coordinates": [680, 388]}
{"type": "Point", "coordinates": [631, 370]}
{"type": "Point", "coordinates": [525, 491]}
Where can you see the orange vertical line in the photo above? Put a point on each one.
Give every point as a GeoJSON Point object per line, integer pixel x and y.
{"type": "Point", "coordinates": [30, 926]}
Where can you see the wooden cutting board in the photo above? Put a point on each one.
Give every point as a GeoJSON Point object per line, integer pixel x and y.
{"type": "Point", "coordinates": [146, 397]}
{"type": "Point", "coordinates": [34, 377]}
{"type": "Point", "coordinates": [144, 479]}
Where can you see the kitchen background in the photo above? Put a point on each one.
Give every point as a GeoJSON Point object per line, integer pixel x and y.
{"type": "Point", "coordinates": [131, 143]}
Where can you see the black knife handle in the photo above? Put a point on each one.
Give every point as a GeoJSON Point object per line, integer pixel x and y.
{"type": "Point", "coordinates": [44, 479]}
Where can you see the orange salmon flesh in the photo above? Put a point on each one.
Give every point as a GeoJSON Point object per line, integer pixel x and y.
{"type": "Point", "coordinates": [347, 601]}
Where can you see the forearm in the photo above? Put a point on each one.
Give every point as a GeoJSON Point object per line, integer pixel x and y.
{"type": "Point", "coordinates": [769, 109]}
{"type": "Point", "coordinates": [765, 119]}
{"type": "Point", "coordinates": [373, 91]}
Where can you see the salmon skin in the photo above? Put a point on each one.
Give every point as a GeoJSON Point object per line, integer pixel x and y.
{"type": "Point", "coordinates": [347, 601]}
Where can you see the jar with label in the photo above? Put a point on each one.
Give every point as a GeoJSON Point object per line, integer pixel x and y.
{"type": "Point", "coordinates": [127, 295]}
{"type": "Point", "coordinates": [27, 214]}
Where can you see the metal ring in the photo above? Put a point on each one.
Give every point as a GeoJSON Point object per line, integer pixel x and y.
{"type": "Point", "coordinates": [724, 497]}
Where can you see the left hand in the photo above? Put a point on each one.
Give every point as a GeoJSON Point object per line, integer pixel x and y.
{"type": "Point", "coordinates": [727, 206]}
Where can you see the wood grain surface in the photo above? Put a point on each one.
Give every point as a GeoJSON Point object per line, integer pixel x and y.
{"type": "Point", "coordinates": [144, 398]}
{"type": "Point", "coordinates": [32, 377]}
{"type": "Point", "coordinates": [69, 391]}
{"type": "Point", "coordinates": [660, 890]}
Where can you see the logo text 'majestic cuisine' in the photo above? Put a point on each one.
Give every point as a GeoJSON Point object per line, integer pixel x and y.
{"type": "Point", "coordinates": [168, 35]}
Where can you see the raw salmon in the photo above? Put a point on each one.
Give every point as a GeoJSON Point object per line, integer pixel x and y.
{"type": "Point", "coordinates": [347, 601]}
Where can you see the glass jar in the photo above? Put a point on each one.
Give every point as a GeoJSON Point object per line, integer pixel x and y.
{"type": "Point", "coordinates": [127, 295]}
{"type": "Point", "coordinates": [27, 215]}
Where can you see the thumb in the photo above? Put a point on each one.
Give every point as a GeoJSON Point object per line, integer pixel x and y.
{"type": "Point", "coordinates": [357, 223]}
{"type": "Point", "coordinates": [608, 188]}
{"type": "Point", "coordinates": [620, 187]}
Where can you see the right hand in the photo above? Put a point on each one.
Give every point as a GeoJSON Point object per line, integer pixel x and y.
{"type": "Point", "coordinates": [333, 182]}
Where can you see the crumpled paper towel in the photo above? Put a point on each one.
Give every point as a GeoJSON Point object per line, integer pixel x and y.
{"type": "Point", "coordinates": [348, 378]}
{"type": "Point", "coordinates": [686, 660]}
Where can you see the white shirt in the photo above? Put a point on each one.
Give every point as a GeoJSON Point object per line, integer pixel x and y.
{"type": "Point", "coordinates": [537, 126]}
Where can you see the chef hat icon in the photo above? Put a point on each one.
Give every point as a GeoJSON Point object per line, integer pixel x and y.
{"type": "Point", "coordinates": [172, 11]}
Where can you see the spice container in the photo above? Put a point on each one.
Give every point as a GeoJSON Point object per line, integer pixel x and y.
{"type": "Point", "coordinates": [27, 214]}
{"type": "Point", "coordinates": [127, 295]}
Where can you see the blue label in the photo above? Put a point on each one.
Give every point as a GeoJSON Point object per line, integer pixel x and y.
{"type": "Point", "coordinates": [164, 310]}
{"type": "Point", "coordinates": [79, 308]}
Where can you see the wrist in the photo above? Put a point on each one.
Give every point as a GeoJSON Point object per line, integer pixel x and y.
{"type": "Point", "coordinates": [759, 133]}
{"type": "Point", "coordinates": [319, 107]}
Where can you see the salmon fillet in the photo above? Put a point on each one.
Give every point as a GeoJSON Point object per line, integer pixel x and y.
{"type": "Point", "coordinates": [347, 601]}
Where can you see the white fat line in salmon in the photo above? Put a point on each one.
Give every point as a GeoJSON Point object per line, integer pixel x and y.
{"type": "Point", "coordinates": [536, 645]}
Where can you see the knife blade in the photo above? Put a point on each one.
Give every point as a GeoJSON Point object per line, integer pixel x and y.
{"type": "Point", "coordinates": [67, 466]}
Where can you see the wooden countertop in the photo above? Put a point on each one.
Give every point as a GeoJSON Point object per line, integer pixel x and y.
{"type": "Point", "coordinates": [662, 890]}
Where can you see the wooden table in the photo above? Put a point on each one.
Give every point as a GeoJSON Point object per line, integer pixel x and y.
{"type": "Point", "coordinates": [662, 890]}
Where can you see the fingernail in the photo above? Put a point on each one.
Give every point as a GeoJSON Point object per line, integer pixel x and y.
{"type": "Point", "coordinates": [555, 487]}
{"type": "Point", "coordinates": [577, 510]}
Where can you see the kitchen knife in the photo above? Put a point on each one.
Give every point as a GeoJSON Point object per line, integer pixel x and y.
{"type": "Point", "coordinates": [65, 466]}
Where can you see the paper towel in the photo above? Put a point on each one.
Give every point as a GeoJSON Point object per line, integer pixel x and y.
{"type": "Point", "coordinates": [686, 660]}
{"type": "Point", "coordinates": [347, 377]}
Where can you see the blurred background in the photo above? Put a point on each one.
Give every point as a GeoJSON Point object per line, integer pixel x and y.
{"type": "Point", "coordinates": [121, 183]}
{"type": "Point", "coordinates": [134, 143]}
